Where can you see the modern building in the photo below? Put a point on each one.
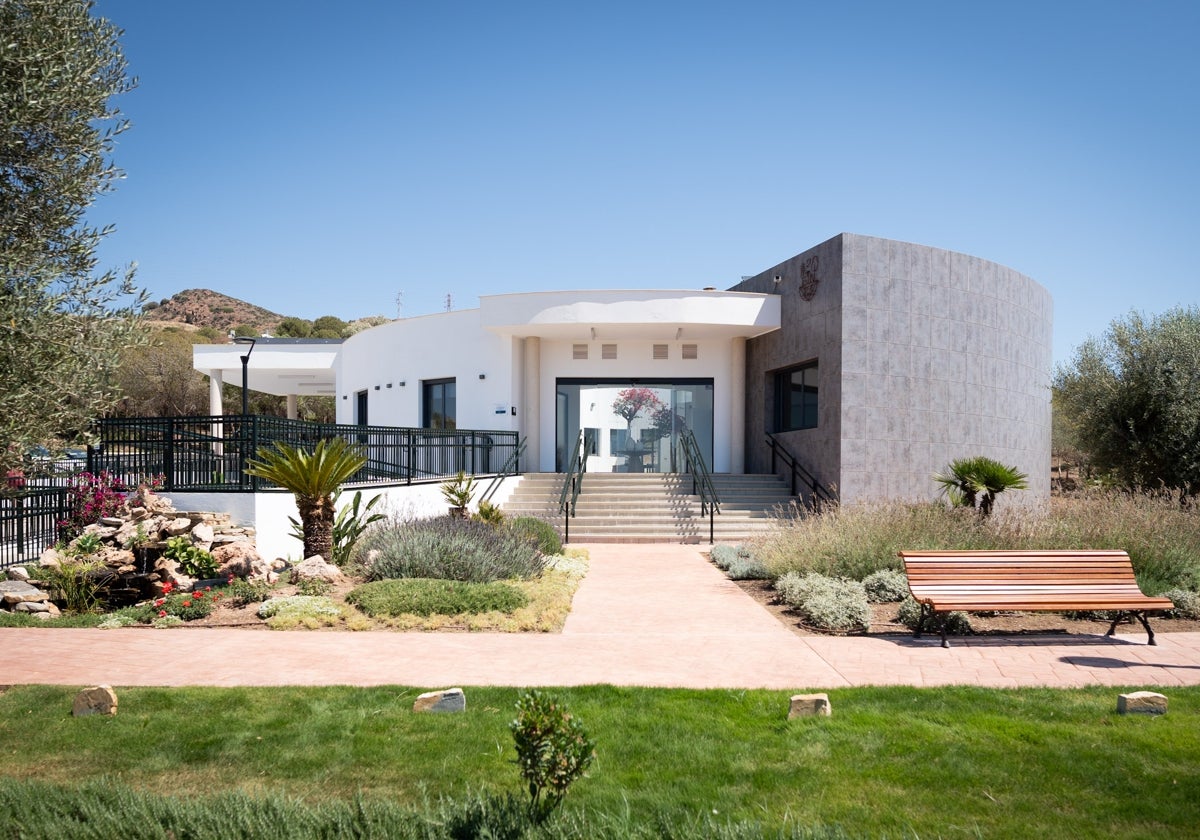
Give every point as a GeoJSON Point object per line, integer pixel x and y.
{"type": "Point", "coordinates": [873, 362]}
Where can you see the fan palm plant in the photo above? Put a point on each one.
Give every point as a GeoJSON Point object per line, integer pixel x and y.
{"type": "Point", "coordinates": [975, 482]}
{"type": "Point", "coordinates": [314, 478]}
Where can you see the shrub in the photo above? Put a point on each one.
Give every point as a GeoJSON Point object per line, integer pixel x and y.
{"type": "Point", "coordinates": [1187, 603]}
{"type": "Point", "coordinates": [957, 623]}
{"type": "Point", "coordinates": [193, 560]}
{"type": "Point", "coordinates": [826, 603]}
{"type": "Point", "coordinates": [241, 592]}
{"type": "Point", "coordinates": [747, 569]}
{"type": "Point", "coordinates": [313, 586]}
{"type": "Point", "coordinates": [886, 586]}
{"type": "Point", "coordinates": [92, 496]}
{"type": "Point", "coordinates": [181, 606]}
{"type": "Point", "coordinates": [553, 750]}
{"type": "Point", "coordinates": [349, 524]}
{"type": "Point", "coordinates": [723, 556]}
{"type": "Point", "coordinates": [298, 606]}
{"type": "Point", "coordinates": [489, 513]}
{"type": "Point", "coordinates": [75, 583]}
{"type": "Point", "coordinates": [452, 549]}
{"type": "Point", "coordinates": [538, 531]}
{"type": "Point", "coordinates": [421, 596]}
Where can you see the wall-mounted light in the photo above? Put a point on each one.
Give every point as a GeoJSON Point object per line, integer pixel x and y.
{"type": "Point", "coordinates": [389, 384]}
{"type": "Point", "coordinates": [483, 376]}
{"type": "Point", "coordinates": [401, 383]}
{"type": "Point", "coordinates": [778, 279]}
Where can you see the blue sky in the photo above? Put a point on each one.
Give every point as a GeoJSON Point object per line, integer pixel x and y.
{"type": "Point", "coordinates": [319, 159]}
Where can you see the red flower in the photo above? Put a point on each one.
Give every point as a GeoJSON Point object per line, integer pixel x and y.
{"type": "Point", "coordinates": [162, 613]}
{"type": "Point", "coordinates": [187, 603]}
{"type": "Point", "coordinates": [160, 602]}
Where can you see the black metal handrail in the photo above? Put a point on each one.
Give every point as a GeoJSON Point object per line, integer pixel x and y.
{"type": "Point", "coordinates": [512, 466]}
{"type": "Point", "coordinates": [569, 497]}
{"type": "Point", "coordinates": [702, 484]}
{"type": "Point", "coordinates": [209, 453]}
{"type": "Point", "coordinates": [819, 494]}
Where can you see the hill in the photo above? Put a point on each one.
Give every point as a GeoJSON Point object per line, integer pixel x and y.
{"type": "Point", "coordinates": [206, 308]}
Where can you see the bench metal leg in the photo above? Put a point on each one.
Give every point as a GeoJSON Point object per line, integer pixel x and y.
{"type": "Point", "coordinates": [1140, 616]}
{"type": "Point", "coordinates": [927, 613]}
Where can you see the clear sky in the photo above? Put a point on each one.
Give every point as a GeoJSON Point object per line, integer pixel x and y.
{"type": "Point", "coordinates": [320, 158]}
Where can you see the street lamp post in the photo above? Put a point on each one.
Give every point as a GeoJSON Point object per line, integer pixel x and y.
{"type": "Point", "coordinates": [242, 339]}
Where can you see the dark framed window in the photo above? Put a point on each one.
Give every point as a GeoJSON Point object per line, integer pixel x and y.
{"type": "Point", "coordinates": [439, 404]}
{"type": "Point", "coordinates": [796, 398]}
{"type": "Point", "coordinates": [360, 408]}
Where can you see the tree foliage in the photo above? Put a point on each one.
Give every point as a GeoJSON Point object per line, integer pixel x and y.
{"type": "Point", "coordinates": [62, 324]}
{"type": "Point", "coordinates": [158, 380]}
{"type": "Point", "coordinates": [976, 482]}
{"type": "Point", "coordinates": [1131, 399]}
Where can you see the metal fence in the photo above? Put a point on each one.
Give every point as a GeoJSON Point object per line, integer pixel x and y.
{"type": "Point", "coordinates": [29, 522]}
{"type": "Point", "coordinates": [209, 454]}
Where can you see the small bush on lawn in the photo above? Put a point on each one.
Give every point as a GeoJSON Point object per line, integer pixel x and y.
{"type": "Point", "coordinates": [451, 549]}
{"type": "Point", "coordinates": [297, 610]}
{"type": "Point", "coordinates": [183, 606]}
{"type": "Point", "coordinates": [957, 623]}
{"type": "Point", "coordinates": [886, 586]}
{"type": "Point", "coordinates": [826, 603]}
{"type": "Point", "coordinates": [540, 532]}
{"type": "Point", "coordinates": [747, 569]}
{"type": "Point", "coordinates": [1187, 603]}
{"type": "Point", "coordinates": [723, 556]}
{"type": "Point", "coordinates": [241, 592]}
{"type": "Point", "coordinates": [420, 596]}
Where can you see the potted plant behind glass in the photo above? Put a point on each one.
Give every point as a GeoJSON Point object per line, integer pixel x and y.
{"type": "Point", "coordinates": [457, 492]}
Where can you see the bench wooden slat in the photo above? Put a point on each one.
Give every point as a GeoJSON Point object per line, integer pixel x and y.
{"type": "Point", "coordinates": [945, 581]}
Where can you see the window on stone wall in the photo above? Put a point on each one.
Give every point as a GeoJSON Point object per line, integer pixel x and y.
{"type": "Point", "coordinates": [796, 398]}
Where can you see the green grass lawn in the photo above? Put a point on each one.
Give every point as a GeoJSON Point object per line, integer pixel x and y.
{"type": "Point", "coordinates": [900, 762]}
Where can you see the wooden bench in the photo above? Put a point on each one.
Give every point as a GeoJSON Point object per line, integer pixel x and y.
{"type": "Point", "coordinates": [1048, 581]}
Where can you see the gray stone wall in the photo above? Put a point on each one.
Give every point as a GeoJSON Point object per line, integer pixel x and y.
{"type": "Point", "coordinates": [925, 356]}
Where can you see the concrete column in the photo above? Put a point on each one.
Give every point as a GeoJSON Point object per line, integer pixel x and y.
{"type": "Point", "coordinates": [531, 403]}
{"type": "Point", "coordinates": [737, 406]}
{"type": "Point", "coordinates": [215, 406]}
{"type": "Point", "coordinates": [293, 406]}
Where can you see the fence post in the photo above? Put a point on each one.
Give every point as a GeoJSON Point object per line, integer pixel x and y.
{"type": "Point", "coordinates": [169, 455]}
{"type": "Point", "coordinates": [409, 458]}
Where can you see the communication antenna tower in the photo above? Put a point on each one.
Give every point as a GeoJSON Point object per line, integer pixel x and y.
{"type": "Point", "coordinates": [399, 304]}
{"type": "Point", "coordinates": [449, 302]}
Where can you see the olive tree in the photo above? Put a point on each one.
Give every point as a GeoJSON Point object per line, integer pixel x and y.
{"type": "Point", "coordinates": [1132, 400]}
{"type": "Point", "coordinates": [62, 323]}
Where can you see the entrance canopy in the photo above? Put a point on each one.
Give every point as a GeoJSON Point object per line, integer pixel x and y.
{"type": "Point", "coordinates": [678, 314]}
{"type": "Point", "coordinates": [281, 366]}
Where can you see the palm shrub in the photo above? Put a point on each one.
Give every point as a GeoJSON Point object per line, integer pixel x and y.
{"type": "Point", "coordinates": [350, 523]}
{"type": "Point", "coordinates": [448, 548]}
{"type": "Point", "coordinates": [975, 482]}
{"type": "Point", "coordinates": [314, 478]}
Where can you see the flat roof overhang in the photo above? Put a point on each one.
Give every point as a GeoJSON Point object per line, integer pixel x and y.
{"type": "Point", "coordinates": [671, 314]}
{"type": "Point", "coordinates": [279, 366]}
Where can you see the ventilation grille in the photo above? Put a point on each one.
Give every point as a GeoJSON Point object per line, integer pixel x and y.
{"type": "Point", "coordinates": [689, 351]}
{"type": "Point", "coordinates": [608, 351]}
{"type": "Point", "coordinates": [660, 351]}
{"type": "Point", "coordinates": [579, 351]}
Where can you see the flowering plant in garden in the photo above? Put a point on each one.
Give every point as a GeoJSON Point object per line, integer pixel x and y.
{"type": "Point", "coordinates": [92, 496]}
{"type": "Point", "coordinates": [186, 606]}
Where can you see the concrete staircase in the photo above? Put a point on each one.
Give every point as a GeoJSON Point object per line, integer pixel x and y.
{"type": "Point", "coordinates": [651, 507]}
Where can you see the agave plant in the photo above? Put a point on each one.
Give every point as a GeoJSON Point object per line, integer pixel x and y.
{"type": "Point", "coordinates": [975, 482]}
{"type": "Point", "coordinates": [314, 478]}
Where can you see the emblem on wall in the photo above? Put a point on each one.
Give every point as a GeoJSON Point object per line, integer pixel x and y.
{"type": "Point", "coordinates": [808, 277]}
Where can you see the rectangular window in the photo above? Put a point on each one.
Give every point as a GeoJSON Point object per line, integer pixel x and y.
{"type": "Point", "coordinates": [439, 404]}
{"type": "Point", "coordinates": [796, 398]}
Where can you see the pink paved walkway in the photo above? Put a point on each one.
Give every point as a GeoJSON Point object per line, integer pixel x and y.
{"type": "Point", "coordinates": [653, 615]}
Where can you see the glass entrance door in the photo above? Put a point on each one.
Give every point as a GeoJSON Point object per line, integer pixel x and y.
{"type": "Point", "coordinates": [632, 426]}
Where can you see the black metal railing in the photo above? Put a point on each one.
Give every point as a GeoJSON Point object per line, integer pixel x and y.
{"type": "Point", "coordinates": [29, 522]}
{"type": "Point", "coordinates": [818, 494]}
{"type": "Point", "coordinates": [702, 483]}
{"type": "Point", "coordinates": [569, 497]}
{"type": "Point", "coordinates": [511, 466]}
{"type": "Point", "coordinates": [209, 454]}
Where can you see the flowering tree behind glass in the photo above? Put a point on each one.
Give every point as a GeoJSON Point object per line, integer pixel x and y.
{"type": "Point", "coordinates": [630, 402]}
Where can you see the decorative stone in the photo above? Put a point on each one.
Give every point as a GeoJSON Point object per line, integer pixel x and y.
{"type": "Point", "coordinates": [50, 559]}
{"type": "Point", "coordinates": [810, 705]}
{"type": "Point", "coordinates": [97, 700]}
{"type": "Point", "coordinates": [18, 573]}
{"type": "Point", "coordinates": [236, 558]}
{"type": "Point", "coordinates": [1142, 703]}
{"type": "Point", "coordinates": [20, 592]}
{"type": "Point", "coordinates": [177, 527]}
{"type": "Point", "coordinates": [446, 700]}
{"type": "Point", "coordinates": [202, 534]}
{"type": "Point", "coordinates": [32, 607]}
{"type": "Point", "coordinates": [315, 568]}
{"type": "Point", "coordinates": [111, 521]}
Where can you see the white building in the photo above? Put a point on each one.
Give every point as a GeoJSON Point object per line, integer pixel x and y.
{"type": "Point", "coordinates": [873, 362]}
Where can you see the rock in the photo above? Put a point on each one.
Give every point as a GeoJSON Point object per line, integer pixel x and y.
{"type": "Point", "coordinates": [32, 607]}
{"type": "Point", "coordinates": [18, 573]}
{"type": "Point", "coordinates": [177, 527]}
{"type": "Point", "coordinates": [315, 568]}
{"type": "Point", "coordinates": [97, 700]}
{"type": "Point", "coordinates": [52, 611]}
{"type": "Point", "coordinates": [50, 559]}
{"type": "Point", "coordinates": [20, 592]}
{"type": "Point", "coordinates": [810, 705]}
{"type": "Point", "coordinates": [111, 521]}
{"type": "Point", "coordinates": [446, 700]}
{"type": "Point", "coordinates": [1142, 703]}
{"type": "Point", "coordinates": [116, 557]}
{"type": "Point", "coordinates": [202, 534]}
{"type": "Point", "coordinates": [237, 558]}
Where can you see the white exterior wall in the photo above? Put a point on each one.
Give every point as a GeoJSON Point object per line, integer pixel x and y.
{"type": "Point", "coordinates": [449, 345]}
